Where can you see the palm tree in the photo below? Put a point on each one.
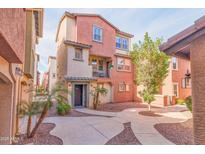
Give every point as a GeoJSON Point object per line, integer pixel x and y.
{"type": "Point", "coordinates": [41, 106]}
{"type": "Point", "coordinates": [96, 94]}
{"type": "Point", "coordinates": [56, 92]}
{"type": "Point", "coordinates": [29, 109]}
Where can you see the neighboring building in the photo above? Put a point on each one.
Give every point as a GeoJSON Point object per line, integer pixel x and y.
{"type": "Point", "coordinates": [34, 30]}
{"type": "Point", "coordinates": [51, 72]}
{"type": "Point", "coordinates": [91, 51]}
{"type": "Point", "coordinates": [175, 86]}
{"type": "Point", "coordinates": [16, 48]}
{"type": "Point", "coordinates": [190, 44]}
{"type": "Point", "coordinates": [45, 81]}
{"type": "Point", "coordinates": [36, 72]}
{"type": "Point", "coordinates": [38, 79]}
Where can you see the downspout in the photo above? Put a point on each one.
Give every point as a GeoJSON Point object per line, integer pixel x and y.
{"type": "Point", "coordinates": [14, 96]}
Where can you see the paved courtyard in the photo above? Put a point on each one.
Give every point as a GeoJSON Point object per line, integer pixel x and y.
{"type": "Point", "coordinates": [108, 127]}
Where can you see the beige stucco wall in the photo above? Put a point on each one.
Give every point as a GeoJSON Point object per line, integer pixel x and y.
{"type": "Point", "coordinates": [78, 68]}
{"type": "Point", "coordinates": [52, 70]}
{"type": "Point", "coordinates": [67, 30]}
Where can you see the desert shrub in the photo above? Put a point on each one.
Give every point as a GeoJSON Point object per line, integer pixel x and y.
{"type": "Point", "coordinates": [188, 102]}
{"type": "Point", "coordinates": [180, 101]}
{"type": "Point", "coordinates": [63, 108]}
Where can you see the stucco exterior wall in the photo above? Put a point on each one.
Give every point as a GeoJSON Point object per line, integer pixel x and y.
{"type": "Point", "coordinates": [177, 75]}
{"type": "Point", "coordinates": [78, 68]}
{"type": "Point", "coordinates": [122, 76]}
{"type": "Point", "coordinates": [85, 35]}
{"type": "Point", "coordinates": [11, 32]}
{"type": "Point", "coordinates": [198, 88]}
{"type": "Point", "coordinates": [62, 62]}
{"type": "Point", "coordinates": [52, 73]}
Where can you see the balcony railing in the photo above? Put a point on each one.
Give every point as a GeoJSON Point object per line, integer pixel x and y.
{"type": "Point", "coordinates": [100, 74]}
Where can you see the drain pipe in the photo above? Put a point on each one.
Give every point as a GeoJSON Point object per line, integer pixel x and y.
{"type": "Point", "coordinates": [14, 96]}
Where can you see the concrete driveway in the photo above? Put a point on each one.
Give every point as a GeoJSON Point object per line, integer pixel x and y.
{"type": "Point", "coordinates": [100, 129]}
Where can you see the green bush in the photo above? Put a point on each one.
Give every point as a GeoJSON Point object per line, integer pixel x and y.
{"type": "Point", "coordinates": [188, 102]}
{"type": "Point", "coordinates": [180, 101]}
{"type": "Point", "coordinates": [63, 108]}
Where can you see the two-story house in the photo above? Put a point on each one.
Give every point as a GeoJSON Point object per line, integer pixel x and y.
{"type": "Point", "coordinates": [91, 51]}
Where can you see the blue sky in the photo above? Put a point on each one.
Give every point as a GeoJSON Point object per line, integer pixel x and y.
{"type": "Point", "coordinates": [157, 22]}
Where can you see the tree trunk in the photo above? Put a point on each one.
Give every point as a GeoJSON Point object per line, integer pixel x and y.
{"type": "Point", "coordinates": [97, 99]}
{"type": "Point", "coordinates": [43, 114]}
{"type": "Point", "coordinates": [149, 106]}
{"type": "Point", "coordinates": [94, 102]}
{"type": "Point", "coordinates": [29, 125]}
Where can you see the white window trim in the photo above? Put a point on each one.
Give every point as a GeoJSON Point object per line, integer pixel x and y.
{"type": "Point", "coordinates": [176, 64]}
{"type": "Point", "coordinates": [175, 83]}
{"type": "Point", "coordinates": [93, 33]}
{"type": "Point", "coordinates": [121, 43]}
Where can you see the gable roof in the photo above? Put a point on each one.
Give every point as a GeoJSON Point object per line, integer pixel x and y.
{"type": "Point", "coordinates": [74, 15]}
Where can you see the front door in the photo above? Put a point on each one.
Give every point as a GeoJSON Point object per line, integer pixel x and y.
{"type": "Point", "coordinates": [78, 100]}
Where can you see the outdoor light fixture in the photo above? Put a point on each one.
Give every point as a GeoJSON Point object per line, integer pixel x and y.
{"type": "Point", "coordinates": [19, 71]}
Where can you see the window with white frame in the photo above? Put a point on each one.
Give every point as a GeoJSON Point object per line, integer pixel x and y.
{"type": "Point", "coordinates": [124, 43]}
{"type": "Point", "coordinates": [124, 87]}
{"type": "Point", "coordinates": [174, 63]}
{"type": "Point", "coordinates": [97, 33]}
{"type": "Point", "coordinates": [186, 82]}
{"type": "Point", "coordinates": [123, 64]}
{"type": "Point", "coordinates": [78, 54]}
{"type": "Point", "coordinates": [118, 42]}
{"type": "Point", "coordinates": [121, 43]}
{"type": "Point", "coordinates": [175, 89]}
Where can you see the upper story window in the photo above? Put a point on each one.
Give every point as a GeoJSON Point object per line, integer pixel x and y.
{"type": "Point", "coordinates": [174, 63]}
{"type": "Point", "coordinates": [121, 43]}
{"type": "Point", "coordinates": [123, 64]}
{"type": "Point", "coordinates": [118, 42]}
{"type": "Point", "coordinates": [97, 33]}
{"type": "Point", "coordinates": [78, 54]}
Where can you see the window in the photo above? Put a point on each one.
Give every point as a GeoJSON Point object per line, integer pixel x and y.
{"type": "Point", "coordinates": [174, 63]}
{"type": "Point", "coordinates": [121, 43]}
{"type": "Point", "coordinates": [78, 54]}
{"type": "Point", "coordinates": [123, 64]}
{"type": "Point", "coordinates": [118, 42]}
{"type": "Point", "coordinates": [124, 87]}
{"type": "Point", "coordinates": [186, 83]}
{"type": "Point", "coordinates": [54, 75]}
{"type": "Point", "coordinates": [124, 43]}
{"type": "Point", "coordinates": [175, 89]}
{"type": "Point", "coordinates": [97, 33]}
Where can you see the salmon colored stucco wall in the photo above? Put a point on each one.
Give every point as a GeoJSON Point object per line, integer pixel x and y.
{"type": "Point", "coordinates": [106, 48]}
{"type": "Point", "coordinates": [12, 29]}
{"type": "Point", "coordinates": [128, 78]}
{"type": "Point", "coordinates": [85, 32]}
{"type": "Point", "coordinates": [177, 75]}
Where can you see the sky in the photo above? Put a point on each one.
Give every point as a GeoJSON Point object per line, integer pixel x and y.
{"type": "Point", "coordinates": [157, 22]}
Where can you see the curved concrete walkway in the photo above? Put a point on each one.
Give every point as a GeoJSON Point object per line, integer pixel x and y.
{"type": "Point", "coordinates": [99, 130]}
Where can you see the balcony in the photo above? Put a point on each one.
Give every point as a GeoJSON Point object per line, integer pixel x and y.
{"type": "Point", "coordinates": [100, 74]}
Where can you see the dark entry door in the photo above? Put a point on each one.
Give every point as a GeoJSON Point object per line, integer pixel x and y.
{"type": "Point", "coordinates": [78, 95]}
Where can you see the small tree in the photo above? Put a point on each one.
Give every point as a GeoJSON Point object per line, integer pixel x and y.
{"type": "Point", "coordinates": [96, 94]}
{"type": "Point", "coordinates": [40, 106]}
{"type": "Point", "coordinates": [151, 67]}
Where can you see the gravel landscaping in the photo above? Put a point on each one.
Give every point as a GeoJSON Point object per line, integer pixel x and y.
{"type": "Point", "coordinates": [42, 136]}
{"type": "Point", "coordinates": [178, 133]}
{"type": "Point", "coordinates": [126, 137]}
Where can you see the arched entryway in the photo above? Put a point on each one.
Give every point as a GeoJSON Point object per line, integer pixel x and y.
{"type": "Point", "coordinates": [5, 109]}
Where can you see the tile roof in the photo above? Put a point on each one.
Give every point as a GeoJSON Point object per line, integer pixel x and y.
{"type": "Point", "coordinates": [70, 78]}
